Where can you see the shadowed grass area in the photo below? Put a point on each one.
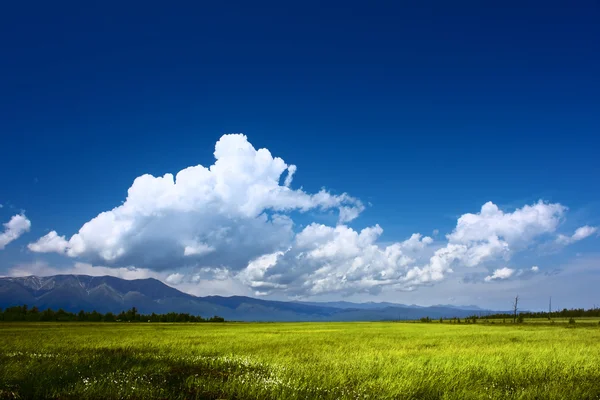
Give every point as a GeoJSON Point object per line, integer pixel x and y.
{"type": "Point", "coordinates": [299, 361]}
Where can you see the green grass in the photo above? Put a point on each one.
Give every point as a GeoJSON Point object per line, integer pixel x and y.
{"type": "Point", "coordinates": [300, 361]}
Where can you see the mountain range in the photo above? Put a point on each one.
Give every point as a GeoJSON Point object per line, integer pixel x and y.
{"type": "Point", "coordinates": [107, 293]}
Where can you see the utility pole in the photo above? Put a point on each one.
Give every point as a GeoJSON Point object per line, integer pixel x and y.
{"type": "Point", "coordinates": [550, 308]}
{"type": "Point", "coordinates": [515, 309]}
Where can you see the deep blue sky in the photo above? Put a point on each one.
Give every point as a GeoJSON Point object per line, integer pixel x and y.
{"type": "Point", "coordinates": [425, 109]}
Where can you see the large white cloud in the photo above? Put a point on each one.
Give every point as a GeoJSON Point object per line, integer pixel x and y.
{"type": "Point", "coordinates": [226, 214]}
{"type": "Point", "coordinates": [325, 259]}
{"type": "Point", "coordinates": [493, 232]}
{"type": "Point", "coordinates": [231, 224]}
{"type": "Point", "coordinates": [13, 229]}
{"type": "Point", "coordinates": [339, 259]}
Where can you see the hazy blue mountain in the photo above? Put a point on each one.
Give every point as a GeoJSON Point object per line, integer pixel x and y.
{"type": "Point", "coordinates": [469, 307]}
{"type": "Point", "coordinates": [107, 293]}
{"type": "Point", "coordinates": [347, 304]}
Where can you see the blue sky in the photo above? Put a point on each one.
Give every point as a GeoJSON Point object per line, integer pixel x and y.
{"type": "Point", "coordinates": [421, 113]}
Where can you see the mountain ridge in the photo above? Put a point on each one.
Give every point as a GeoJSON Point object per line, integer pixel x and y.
{"type": "Point", "coordinates": [112, 294]}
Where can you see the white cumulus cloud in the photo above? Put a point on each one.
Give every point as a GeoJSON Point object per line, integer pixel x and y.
{"type": "Point", "coordinates": [325, 259]}
{"type": "Point", "coordinates": [225, 214]}
{"type": "Point", "coordinates": [230, 225]}
{"type": "Point", "coordinates": [502, 273]}
{"type": "Point", "coordinates": [49, 243]}
{"type": "Point", "coordinates": [13, 229]}
{"type": "Point", "coordinates": [518, 227]}
{"type": "Point", "coordinates": [493, 233]}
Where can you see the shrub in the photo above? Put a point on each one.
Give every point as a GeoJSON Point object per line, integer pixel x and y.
{"type": "Point", "coordinates": [571, 321]}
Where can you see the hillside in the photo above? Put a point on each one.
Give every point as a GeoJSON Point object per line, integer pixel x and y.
{"type": "Point", "coordinates": [107, 293]}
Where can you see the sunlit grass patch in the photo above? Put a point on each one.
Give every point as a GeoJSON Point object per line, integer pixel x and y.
{"type": "Point", "coordinates": [299, 361]}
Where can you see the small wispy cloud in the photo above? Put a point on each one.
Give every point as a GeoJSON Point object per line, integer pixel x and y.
{"type": "Point", "coordinates": [499, 274]}
{"type": "Point", "coordinates": [580, 234]}
{"type": "Point", "coordinates": [13, 229]}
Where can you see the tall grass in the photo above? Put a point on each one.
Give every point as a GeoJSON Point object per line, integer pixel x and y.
{"type": "Point", "coordinates": [299, 361]}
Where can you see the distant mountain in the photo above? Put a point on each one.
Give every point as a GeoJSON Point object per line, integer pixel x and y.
{"type": "Point", "coordinates": [106, 293]}
{"type": "Point", "coordinates": [350, 305]}
{"type": "Point", "coordinates": [376, 306]}
{"type": "Point", "coordinates": [469, 307]}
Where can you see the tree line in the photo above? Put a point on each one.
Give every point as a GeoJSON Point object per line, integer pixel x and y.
{"type": "Point", "coordinates": [564, 313]}
{"type": "Point", "coordinates": [519, 316]}
{"type": "Point", "coordinates": [33, 314]}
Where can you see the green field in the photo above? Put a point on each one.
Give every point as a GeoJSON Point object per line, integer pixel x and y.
{"type": "Point", "coordinates": [300, 361]}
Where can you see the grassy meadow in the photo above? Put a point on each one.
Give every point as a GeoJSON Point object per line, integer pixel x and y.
{"type": "Point", "coordinates": [379, 360]}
